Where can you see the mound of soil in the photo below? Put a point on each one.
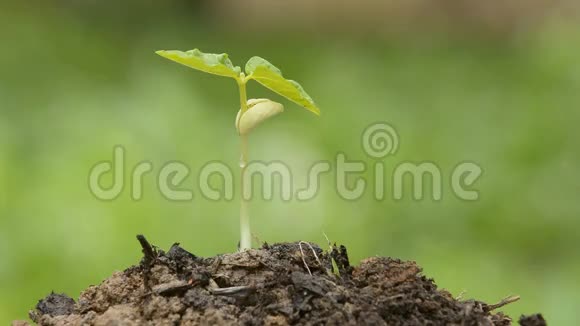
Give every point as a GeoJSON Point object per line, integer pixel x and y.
{"type": "Point", "coordinates": [280, 284]}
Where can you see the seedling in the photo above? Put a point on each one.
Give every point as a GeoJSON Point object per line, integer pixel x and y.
{"type": "Point", "coordinates": [253, 111]}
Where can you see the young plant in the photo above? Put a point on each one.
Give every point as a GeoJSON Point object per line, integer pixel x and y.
{"type": "Point", "coordinates": [253, 111]}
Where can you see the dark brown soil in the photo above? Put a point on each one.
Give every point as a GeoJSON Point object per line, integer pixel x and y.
{"type": "Point", "coordinates": [281, 284]}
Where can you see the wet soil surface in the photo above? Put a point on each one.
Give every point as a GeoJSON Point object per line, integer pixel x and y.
{"type": "Point", "coordinates": [281, 284]}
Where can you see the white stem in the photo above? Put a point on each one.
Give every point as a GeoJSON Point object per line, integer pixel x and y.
{"type": "Point", "coordinates": [245, 233]}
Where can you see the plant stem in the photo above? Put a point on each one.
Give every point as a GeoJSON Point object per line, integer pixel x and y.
{"type": "Point", "coordinates": [245, 232]}
{"type": "Point", "coordinates": [243, 98]}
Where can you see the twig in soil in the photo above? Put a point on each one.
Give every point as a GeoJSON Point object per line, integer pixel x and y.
{"type": "Point", "coordinates": [234, 290]}
{"type": "Point", "coordinates": [304, 260]}
{"type": "Point", "coordinates": [213, 284]}
{"type": "Point", "coordinates": [503, 302]}
{"type": "Point", "coordinates": [147, 248]}
{"type": "Point", "coordinates": [149, 257]}
{"type": "Point", "coordinates": [173, 288]}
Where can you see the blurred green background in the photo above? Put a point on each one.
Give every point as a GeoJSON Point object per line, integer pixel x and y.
{"type": "Point", "coordinates": [491, 83]}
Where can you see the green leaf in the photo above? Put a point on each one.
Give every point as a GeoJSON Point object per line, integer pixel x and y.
{"type": "Point", "coordinates": [268, 75]}
{"type": "Point", "coordinates": [217, 64]}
